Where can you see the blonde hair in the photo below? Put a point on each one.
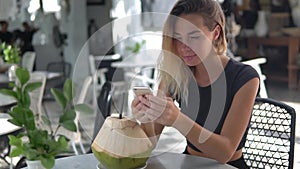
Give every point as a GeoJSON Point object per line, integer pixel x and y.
{"type": "Point", "coordinates": [174, 74]}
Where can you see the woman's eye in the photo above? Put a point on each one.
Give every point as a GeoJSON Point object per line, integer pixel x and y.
{"type": "Point", "coordinates": [195, 37]}
{"type": "Point", "coordinates": [178, 38]}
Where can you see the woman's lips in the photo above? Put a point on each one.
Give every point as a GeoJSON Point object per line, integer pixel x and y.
{"type": "Point", "coordinates": [189, 57]}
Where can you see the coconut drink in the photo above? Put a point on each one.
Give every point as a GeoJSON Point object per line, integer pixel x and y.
{"type": "Point", "coordinates": [121, 144]}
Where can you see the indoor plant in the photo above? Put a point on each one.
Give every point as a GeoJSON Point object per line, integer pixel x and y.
{"type": "Point", "coordinates": [40, 143]}
{"type": "Point", "coordinates": [11, 55]}
{"type": "Point", "coordinates": [135, 49]}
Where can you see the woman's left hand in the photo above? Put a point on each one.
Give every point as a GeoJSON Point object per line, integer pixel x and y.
{"type": "Point", "coordinates": [161, 109]}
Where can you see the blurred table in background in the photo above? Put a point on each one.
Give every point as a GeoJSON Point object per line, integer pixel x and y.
{"type": "Point", "coordinates": [6, 102]}
{"type": "Point", "coordinates": [291, 42]}
{"type": "Point", "coordinates": [6, 129]}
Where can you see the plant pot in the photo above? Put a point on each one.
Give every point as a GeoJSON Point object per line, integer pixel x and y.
{"type": "Point", "coordinates": [12, 72]}
{"type": "Point", "coordinates": [36, 164]}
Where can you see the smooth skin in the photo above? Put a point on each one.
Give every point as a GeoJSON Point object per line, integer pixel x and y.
{"type": "Point", "coordinates": [155, 112]}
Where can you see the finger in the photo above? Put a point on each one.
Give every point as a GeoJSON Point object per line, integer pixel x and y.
{"type": "Point", "coordinates": [153, 114]}
{"type": "Point", "coordinates": [157, 99]}
{"type": "Point", "coordinates": [144, 100]}
{"type": "Point", "coordinates": [134, 102]}
{"type": "Point", "coordinates": [151, 117]}
{"type": "Point", "coordinates": [158, 107]}
{"type": "Point", "coordinates": [139, 108]}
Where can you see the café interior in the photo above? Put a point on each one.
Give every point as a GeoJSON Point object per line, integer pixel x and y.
{"type": "Point", "coordinates": [93, 42]}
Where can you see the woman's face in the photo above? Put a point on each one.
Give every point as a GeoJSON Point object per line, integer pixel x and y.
{"type": "Point", "coordinates": [193, 40]}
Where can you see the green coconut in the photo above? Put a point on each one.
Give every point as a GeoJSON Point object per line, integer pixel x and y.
{"type": "Point", "coordinates": [121, 144]}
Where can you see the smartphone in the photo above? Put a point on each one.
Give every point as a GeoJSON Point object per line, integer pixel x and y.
{"type": "Point", "coordinates": [142, 90]}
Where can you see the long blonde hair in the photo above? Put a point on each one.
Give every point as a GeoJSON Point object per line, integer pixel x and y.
{"type": "Point", "coordinates": [174, 75]}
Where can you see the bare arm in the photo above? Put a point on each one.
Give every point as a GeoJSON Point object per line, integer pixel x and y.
{"type": "Point", "coordinates": [221, 147]}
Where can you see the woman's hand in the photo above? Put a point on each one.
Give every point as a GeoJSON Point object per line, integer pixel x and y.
{"type": "Point", "coordinates": [159, 109]}
{"type": "Point", "coordinates": [139, 109]}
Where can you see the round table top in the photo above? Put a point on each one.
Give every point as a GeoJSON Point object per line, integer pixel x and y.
{"type": "Point", "coordinates": [6, 100]}
{"type": "Point", "coordinates": [161, 161]}
{"type": "Point", "coordinates": [6, 126]}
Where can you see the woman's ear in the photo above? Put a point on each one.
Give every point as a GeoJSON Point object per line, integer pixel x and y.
{"type": "Point", "coordinates": [217, 31]}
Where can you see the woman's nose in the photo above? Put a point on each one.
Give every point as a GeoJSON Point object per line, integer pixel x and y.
{"type": "Point", "coordinates": [184, 47]}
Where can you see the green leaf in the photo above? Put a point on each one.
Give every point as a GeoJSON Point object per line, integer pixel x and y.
{"type": "Point", "coordinates": [63, 142]}
{"type": "Point", "coordinates": [23, 75]}
{"type": "Point", "coordinates": [68, 90]}
{"type": "Point", "coordinates": [67, 120]}
{"type": "Point", "coordinates": [15, 122]}
{"type": "Point", "coordinates": [17, 151]}
{"type": "Point", "coordinates": [59, 97]}
{"type": "Point", "coordinates": [32, 86]}
{"type": "Point", "coordinates": [11, 84]}
{"type": "Point", "coordinates": [14, 141]}
{"type": "Point", "coordinates": [48, 162]}
{"type": "Point", "coordinates": [29, 120]}
{"type": "Point", "coordinates": [60, 146]}
{"type": "Point", "coordinates": [31, 153]}
{"type": "Point", "coordinates": [69, 115]}
{"type": "Point", "coordinates": [9, 93]}
{"type": "Point", "coordinates": [83, 108]}
{"type": "Point", "coordinates": [18, 115]}
{"type": "Point", "coordinates": [3, 45]}
{"type": "Point", "coordinates": [38, 137]}
{"type": "Point", "coordinates": [26, 99]}
{"type": "Point", "coordinates": [46, 120]}
{"type": "Point", "coordinates": [69, 125]}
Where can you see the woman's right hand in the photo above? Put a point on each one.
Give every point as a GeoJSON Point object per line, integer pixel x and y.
{"type": "Point", "coordinates": [139, 106]}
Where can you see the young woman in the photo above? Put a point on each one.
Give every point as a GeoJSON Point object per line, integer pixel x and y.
{"type": "Point", "coordinates": [215, 101]}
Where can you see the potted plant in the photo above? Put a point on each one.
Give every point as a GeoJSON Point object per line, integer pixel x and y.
{"type": "Point", "coordinates": [11, 55]}
{"type": "Point", "coordinates": [135, 49]}
{"type": "Point", "coordinates": [40, 143]}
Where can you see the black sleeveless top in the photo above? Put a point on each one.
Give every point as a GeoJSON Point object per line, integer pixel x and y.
{"type": "Point", "coordinates": [209, 105]}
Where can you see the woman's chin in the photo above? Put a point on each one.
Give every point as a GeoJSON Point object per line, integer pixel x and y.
{"type": "Point", "coordinates": [192, 61]}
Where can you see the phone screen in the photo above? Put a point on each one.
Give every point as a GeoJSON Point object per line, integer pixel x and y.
{"type": "Point", "coordinates": [142, 90]}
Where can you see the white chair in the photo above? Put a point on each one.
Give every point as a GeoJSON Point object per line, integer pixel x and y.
{"type": "Point", "coordinates": [77, 136]}
{"type": "Point", "coordinates": [28, 60]}
{"type": "Point", "coordinates": [97, 73]}
{"type": "Point", "coordinates": [255, 63]}
{"type": "Point", "coordinates": [36, 96]}
{"type": "Point", "coordinates": [99, 77]}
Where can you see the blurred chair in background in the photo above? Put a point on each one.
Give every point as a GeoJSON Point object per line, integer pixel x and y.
{"type": "Point", "coordinates": [28, 60]}
{"type": "Point", "coordinates": [82, 96]}
{"type": "Point", "coordinates": [36, 97]}
{"type": "Point", "coordinates": [64, 69]}
{"type": "Point", "coordinates": [104, 106]}
{"type": "Point", "coordinates": [255, 63]}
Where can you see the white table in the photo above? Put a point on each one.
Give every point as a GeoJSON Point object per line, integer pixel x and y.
{"type": "Point", "coordinates": [136, 66]}
{"type": "Point", "coordinates": [162, 161]}
{"type": "Point", "coordinates": [49, 75]}
{"type": "Point", "coordinates": [6, 102]}
{"type": "Point", "coordinates": [6, 128]}
{"type": "Point", "coordinates": [143, 59]}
